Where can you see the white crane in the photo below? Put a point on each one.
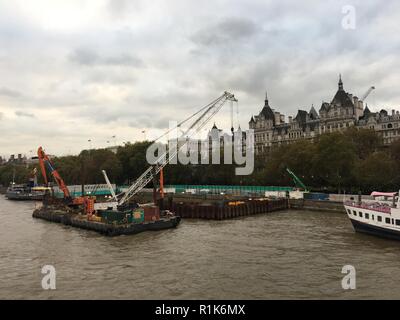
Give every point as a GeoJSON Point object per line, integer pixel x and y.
{"type": "Point", "coordinates": [109, 185]}
{"type": "Point", "coordinates": [206, 113]}
{"type": "Point", "coordinates": [367, 93]}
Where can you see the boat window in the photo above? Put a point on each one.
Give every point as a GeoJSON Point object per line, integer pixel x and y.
{"type": "Point", "coordinates": [387, 220]}
{"type": "Point", "coordinates": [379, 218]}
{"type": "Point", "coordinates": [373, 217]}
{"type": "Point", "coordinates": [366, 216]}
{"type": "Point", "coordinates": [360, 214]}
{"type": "Point", "coordinates": [354, 213]}
{"type": "Point", "coordinates": [397, 222]}
{"type": "Point", "coordinates": [348, 211]}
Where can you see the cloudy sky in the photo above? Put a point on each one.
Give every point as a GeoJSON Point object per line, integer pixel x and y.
{"type": "Point", "coordinates": [90, 69]}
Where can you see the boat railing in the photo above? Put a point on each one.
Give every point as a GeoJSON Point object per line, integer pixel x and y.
{"type": "Point", "coordinates": [375, 206]}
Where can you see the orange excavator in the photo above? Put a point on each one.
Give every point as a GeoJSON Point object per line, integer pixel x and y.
{"type": "Point", "coordinates": [86, 201]}
{"type": "Point", "coordinates": [45, 160]}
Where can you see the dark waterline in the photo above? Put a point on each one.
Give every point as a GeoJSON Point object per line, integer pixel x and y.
{"type": "Point", "coordinates": [291, 254]}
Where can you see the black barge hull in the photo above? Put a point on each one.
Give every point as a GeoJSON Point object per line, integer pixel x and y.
{"type": "Point", "coordinates": [27, 197]}
{"type": "Point", "coordinates": [375, 231]}
{"type": "Point", "coordinates": [75, 220]}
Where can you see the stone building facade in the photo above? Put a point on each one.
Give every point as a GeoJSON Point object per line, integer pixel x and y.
{"type": "Point", "coordinates": [344, 111]}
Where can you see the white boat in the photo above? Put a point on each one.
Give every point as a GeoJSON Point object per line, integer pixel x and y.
{"type": "Point", "coordinates": [379, 217]}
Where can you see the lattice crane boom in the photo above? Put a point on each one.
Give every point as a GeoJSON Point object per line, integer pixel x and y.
{"type": "Point", "coordinates": [206, 113]}
{"type": "Point", "coordinates": [365, 96]}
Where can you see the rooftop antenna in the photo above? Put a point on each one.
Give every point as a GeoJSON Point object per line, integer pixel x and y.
{"type": "Point", "coordinates": [232, 129]}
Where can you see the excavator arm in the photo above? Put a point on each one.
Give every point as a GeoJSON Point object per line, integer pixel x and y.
{"type": "Point", "coordinates": [44, 161]}
{"type": "Point", "coordinates": [296, 180]}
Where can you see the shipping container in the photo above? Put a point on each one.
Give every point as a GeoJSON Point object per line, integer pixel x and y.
{"type": "Point", "coordinates": [151, 213]}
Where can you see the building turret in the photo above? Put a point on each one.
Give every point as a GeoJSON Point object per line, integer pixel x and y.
{"type": "Point", "coordinates": [340, 83]}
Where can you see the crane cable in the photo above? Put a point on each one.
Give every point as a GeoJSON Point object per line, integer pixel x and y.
{"type": "Point", "coordinates": [208, 106]}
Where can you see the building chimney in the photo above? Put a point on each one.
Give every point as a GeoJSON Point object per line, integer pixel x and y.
{"type": "Point", "coordinates": [277, 118]}
{"type": "Point", "coordinates": [282, 118]}
{"type": "Point", "coordinates": [355, 100]}
{"type": "Point", "coordinates": [290, 119]}
{"type": "Point", "coordinates": [393, 112]}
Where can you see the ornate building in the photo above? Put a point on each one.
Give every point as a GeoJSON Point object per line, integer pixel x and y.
{"type": "Point", "coordinates": [344, 111]}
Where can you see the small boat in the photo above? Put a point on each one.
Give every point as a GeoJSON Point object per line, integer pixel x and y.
{"type": "Point", "coordinates": [378, 217]}
{"type": "Point", "coordinates": [24, 192]}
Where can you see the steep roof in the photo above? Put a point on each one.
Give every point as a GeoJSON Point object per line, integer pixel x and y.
{"type": "Point", "coordinates": [301, 116]}
{"type": "Point", "coordinates": [324, 106]}
{"type": "Point", "coordinates": [313, 114]}
{"type": "Point", "coordinates": [267, 111]}
{"type": "Point", "coordinates": [342, 99]}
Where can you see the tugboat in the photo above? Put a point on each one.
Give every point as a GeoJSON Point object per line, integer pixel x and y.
{"type": "Point", "coordinates": [26, 191]}
{"type": "Point", "coordinates": [378, 217]}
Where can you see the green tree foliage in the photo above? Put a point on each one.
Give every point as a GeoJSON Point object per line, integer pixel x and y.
{"type": "Point", "coordinates": [132, 158]}
{"type": "Point", "coordinates": [376, 171]}
{"type": "Point", "coordinates": [20, 174]}
{"type": "Point", "coordinates": [342, 161]}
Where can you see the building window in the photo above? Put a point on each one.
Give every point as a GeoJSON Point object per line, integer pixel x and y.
{"type": "Point", "coordinates": [387, 220]}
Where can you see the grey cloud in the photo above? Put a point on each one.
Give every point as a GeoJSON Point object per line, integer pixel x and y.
{"type": "Point", "coordinates": [88, 57]}
{"type": "Point", "coordinates": [230, 29]}
{"type": "Point", "coordinates": [121, 8]}
{"type": "Point", "coordinates": [24, 114]}
{"type": "Point", "coordinates": [294, 50]}
{"type": "Point", "coordinates": [9, 93]}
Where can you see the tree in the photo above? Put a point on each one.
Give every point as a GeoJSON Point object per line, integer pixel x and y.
{"type": "Point", "coordinates": [365, 141]}
{"type": "Point", "coordinates": [334, 160]}
{"type": "Point", "coordinates": [378, 172]}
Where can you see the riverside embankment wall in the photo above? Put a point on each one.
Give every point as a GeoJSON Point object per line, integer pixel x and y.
{"type": "Point", "coordinates": [316, 205]}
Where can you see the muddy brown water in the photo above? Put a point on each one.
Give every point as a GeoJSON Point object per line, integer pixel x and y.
{"type": "Point", "coordinates": [287, 254]}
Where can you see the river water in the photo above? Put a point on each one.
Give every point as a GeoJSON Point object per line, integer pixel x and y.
{"type": "Point", "coordinates": [287, 254]}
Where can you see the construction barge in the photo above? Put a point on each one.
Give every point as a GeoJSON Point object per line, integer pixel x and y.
{"type": "Point", "coordinates": [110, 223]}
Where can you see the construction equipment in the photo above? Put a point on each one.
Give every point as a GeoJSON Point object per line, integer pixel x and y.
{"type": "Point", "coordinates": [109, 185]}
{"type": "Point", "coordinates": [45, 160]}
{"type": "Point", "coordinates": [296, 180]}
{"type": "Point", "coordinates": [367, 93]}
{"type": "Point", "coordinates": [195, 124]}
{"type": "Point", "coordinates": [86, 201]}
